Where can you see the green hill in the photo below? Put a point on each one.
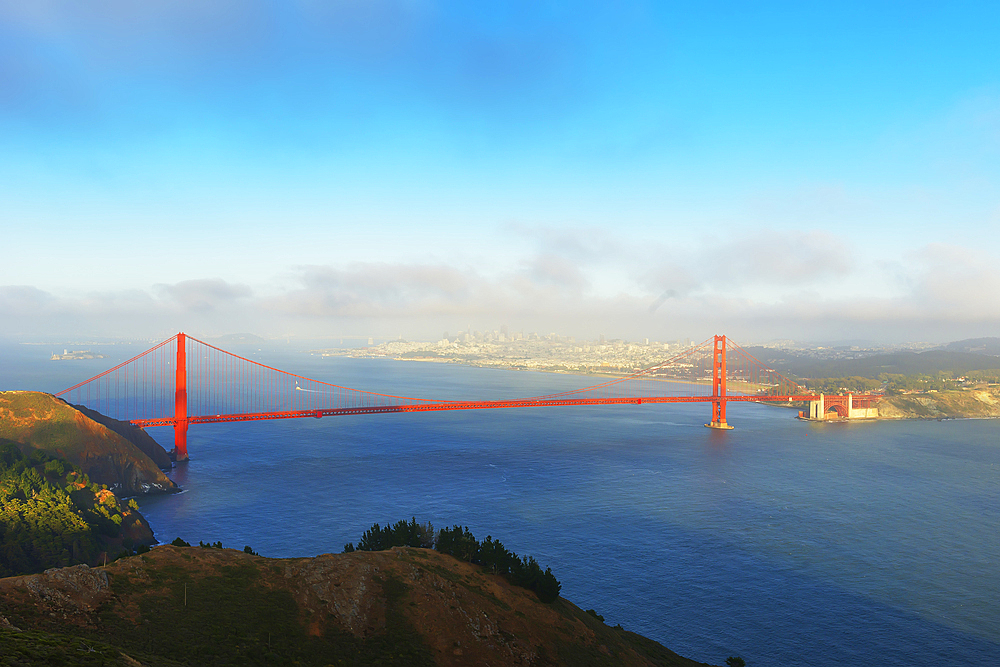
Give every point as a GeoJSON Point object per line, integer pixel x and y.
{"type": "Point", "coordinates": [36, 420]}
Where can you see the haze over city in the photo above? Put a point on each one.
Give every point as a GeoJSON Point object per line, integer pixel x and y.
{"type": "Point", "coordinates": [404, 167]}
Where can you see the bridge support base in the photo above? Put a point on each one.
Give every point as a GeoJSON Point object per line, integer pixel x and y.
{"type": "Point", "coordinates": [720, 425]}
{"type": "Point", "coordinates": [180, 441]}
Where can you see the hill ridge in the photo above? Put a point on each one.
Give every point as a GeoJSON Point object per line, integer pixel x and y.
{"type": "Point", "coordinates": [404, 606]}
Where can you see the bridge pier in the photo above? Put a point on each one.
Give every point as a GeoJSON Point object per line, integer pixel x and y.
{"type": "Point", "coordinates": [719, 385]}
{"type": "Point", "coordinates": [180, 441]}
{"type": "Point", "coordinates": [180, 401]}
{"type": "Point", "coordinates": [719, 416]}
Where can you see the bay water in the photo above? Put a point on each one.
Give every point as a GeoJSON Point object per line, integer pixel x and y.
{"type": "Point", "coordinates": [784, 542]}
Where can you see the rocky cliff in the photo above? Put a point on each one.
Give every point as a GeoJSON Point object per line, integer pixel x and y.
{"type": "Point", "coordinates": [35, 420]}
{"type": "Point", "coordinates": [405, 606]}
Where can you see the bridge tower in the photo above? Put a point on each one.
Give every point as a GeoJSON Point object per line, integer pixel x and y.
{"type": "Point", "coordinates": [719, 385]}
{"type": "Point", "coordinates": [180, 401]}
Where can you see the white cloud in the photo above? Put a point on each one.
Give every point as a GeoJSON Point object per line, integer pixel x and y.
{"type": "Point", "coordinates": [205, 295]}
{"type": "Point", "coordinates": [938, 292]}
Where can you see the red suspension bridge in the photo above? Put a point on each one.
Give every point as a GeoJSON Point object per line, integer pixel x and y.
{"type": "Point", "coordinates": [184, 381]}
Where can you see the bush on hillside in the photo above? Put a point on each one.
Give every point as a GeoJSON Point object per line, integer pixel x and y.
{"type": "Point", "coordinates": [460, 543]}
{"type": "Point", "coordinates": [51, 515]}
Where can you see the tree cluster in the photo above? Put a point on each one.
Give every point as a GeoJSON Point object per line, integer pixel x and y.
{"type": "Point", "coordinates": [894, 384]}
{"type": "Point", "coordinates": [178, 542]}
{"type": "Point", "coordinates": [401, 534]}
{"type": "Point", "coordinates": [51, 515]}
{"type": "Point", "coordinates": [853, 384]}
{"type": "Point", "coordinates": [460, 543]}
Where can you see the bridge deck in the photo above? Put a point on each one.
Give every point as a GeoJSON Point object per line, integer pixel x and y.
{"type": "Point", "coordinates": [474, 405]}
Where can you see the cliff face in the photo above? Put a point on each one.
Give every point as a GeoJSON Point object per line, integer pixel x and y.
{"type": "Point", "coordinates": [977, 403]}
{"type": "Point", "coordinates": [399, 607]}
{"type": "Point", "coordinates": [42, 421]}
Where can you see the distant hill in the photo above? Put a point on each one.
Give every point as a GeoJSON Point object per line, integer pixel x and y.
{"type": "Point", "coordinates": [237, 339]}
{"type": "Point", "coordinates": [989, 346]}
{"type": "Point", "coordinates": [212, 606]}
{"type": "Point", "coordinates": [897, 363]}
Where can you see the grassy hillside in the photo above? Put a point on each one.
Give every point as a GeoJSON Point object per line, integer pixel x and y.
{"type": "Point", "coordinates": [942, 404]}
{"type": "Point", "coordinates": [406, 606]}
{"type": "Point", "coordinates": [41, 421]}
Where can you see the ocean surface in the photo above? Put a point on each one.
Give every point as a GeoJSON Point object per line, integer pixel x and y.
{"type": "Point", "coordinates": [784, 542]}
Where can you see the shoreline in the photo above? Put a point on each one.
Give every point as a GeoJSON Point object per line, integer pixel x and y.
{"type": "Point", "coordinates": [610, 376]}
{"type": "Point", "coordinates": [615, 376]}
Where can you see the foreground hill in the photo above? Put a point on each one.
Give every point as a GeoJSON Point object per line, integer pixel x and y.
{"type": "Point", "coordinates": [35, 420]}
{"type": "Point", "coordinates": [208, 606]}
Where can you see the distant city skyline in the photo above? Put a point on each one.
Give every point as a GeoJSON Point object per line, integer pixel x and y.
{"type": "Point", "coordinates": [407, 167]}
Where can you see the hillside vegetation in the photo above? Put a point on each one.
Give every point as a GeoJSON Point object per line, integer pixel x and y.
{"type": "Point", "coordinates": [460, 543]}
{"type": "Point", "coordinates": [52, 515]}
{"type": "Point", "coordinates": [36, 420]}
{"type": "Point", "coordinates": [968, 403]}
{"type": "Point", "coordinates": [929, 363]}
{"type": "Point", "coordinates": [405, 606]}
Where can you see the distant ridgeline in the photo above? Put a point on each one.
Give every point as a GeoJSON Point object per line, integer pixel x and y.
{"type": "Point", "coordinates": [460, 543]}
{"type": "Point", "coordinates": [51, 515]}
{"type": "Point", "coordinates": [956, 360]}
{"type": "Point", "coordinates": [964, 364]}
{"type": "Point", "coordinates": [894, 385]}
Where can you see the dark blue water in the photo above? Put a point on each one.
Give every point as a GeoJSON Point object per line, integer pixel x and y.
{"type": "Point", "coordinates": [784, 542]}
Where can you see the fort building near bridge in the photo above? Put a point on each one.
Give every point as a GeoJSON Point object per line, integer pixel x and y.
{"type": "Point", "coordinates": [828, 408]}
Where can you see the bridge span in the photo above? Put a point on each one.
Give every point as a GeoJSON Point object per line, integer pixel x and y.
{"type": "Point", "coordinates": [184, 381]}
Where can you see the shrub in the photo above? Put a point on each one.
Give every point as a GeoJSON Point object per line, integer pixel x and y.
{"type": "Point", "coordinates": [459, 542]}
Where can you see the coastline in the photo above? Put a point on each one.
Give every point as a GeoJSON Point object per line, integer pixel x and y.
{"type": "Point", "coordinates": [933, 406]}
{"type": "Point", "coordinates": [610, 376]}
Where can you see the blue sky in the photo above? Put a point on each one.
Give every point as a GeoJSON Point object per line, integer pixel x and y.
{"type": "Point", "coordinates": [387, 167]}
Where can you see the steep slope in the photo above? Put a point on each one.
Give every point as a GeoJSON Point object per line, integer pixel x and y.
{"type": "Point", "coordinates": [133, 434]}
{"type": "Point", "coordinates": [41, 421]}
{"type": "Point", "coordinates": [406, 606]}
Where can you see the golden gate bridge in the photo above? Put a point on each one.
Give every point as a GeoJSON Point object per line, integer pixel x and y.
{"type": "Point", "coordinates": [184, 381]}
